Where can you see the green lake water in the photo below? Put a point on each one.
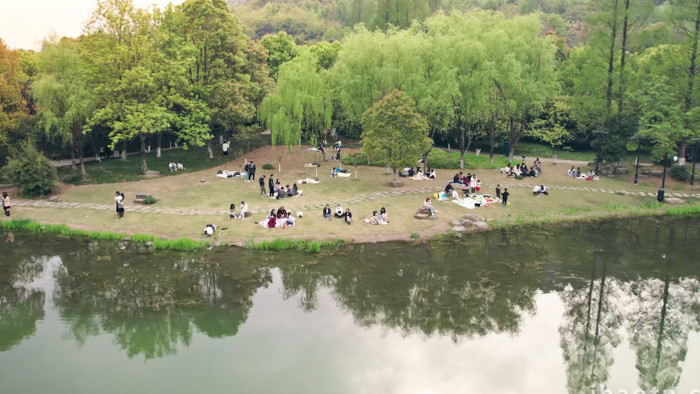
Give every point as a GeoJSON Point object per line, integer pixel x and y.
{"type": "Point", "coordinates": [579, 309]}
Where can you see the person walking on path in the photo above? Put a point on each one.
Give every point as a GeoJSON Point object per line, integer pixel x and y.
{"type": "Point", "coordinates": [261, 181]}
{"type": "Point", "coordinates": [498, 191]}
{"type": "Point", "coordinates": [6, 203]}
{"type": "Point", "coordinates": [505, 195]}
{"type": "Point", "coordinates": [271, 185]}
{"type": "Point", "coordinates": [224, 148]}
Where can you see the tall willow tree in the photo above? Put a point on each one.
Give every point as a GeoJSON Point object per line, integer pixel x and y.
{"type": "Point", "coordinates": [301, 109]}
{"type": "Point", "coordinates": [65, 99]}
{"type": "Point", "coordinates": [522, 71]}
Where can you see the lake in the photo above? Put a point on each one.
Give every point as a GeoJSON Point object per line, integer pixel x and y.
{"type": "Point", "coordinates": [580, 308]}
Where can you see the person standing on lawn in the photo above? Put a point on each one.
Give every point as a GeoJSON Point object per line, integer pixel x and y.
{"type": "Point", "coordinates": [271, 185]}
{"type": "Point", "coordinates": [505, 195]}
{"type": "Point", "coordinates": [251, 168]}
{"type": "Point", "coordinates": [261, 181]}
{"type": "Point", "coordinates": [224, 148]}
{"type": "Point", "coordinates": [6, 203]}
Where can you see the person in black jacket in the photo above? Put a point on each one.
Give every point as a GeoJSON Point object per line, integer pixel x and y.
{"type": "Point", "coordinates": [261, 181]}
{"type": "Point", "coordinates": [327, 212]}
{"type": "Point", "coordinates": [251, 169]}
{"type": "Point", "coordinates": [271, 185]}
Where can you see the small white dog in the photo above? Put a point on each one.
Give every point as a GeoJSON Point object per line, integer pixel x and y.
{"type": "Point", "coordinates": [300, 214]}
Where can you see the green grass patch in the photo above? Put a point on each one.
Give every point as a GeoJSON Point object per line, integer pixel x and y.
{"type": "Point", "coordinates": [576, 210]}
{"type": "Point", "coordinates": [61, 229]}
{"type": "Point", "coordinates": [649, 204]}
{"type": "Point", "coordinates": [279, 244]}
{"type": "Point", "coordinates": [531, 149]}
{"type": "Point", "coordinates": [684, 210]}
{"type": "Point", "coordinates": [615, 207]}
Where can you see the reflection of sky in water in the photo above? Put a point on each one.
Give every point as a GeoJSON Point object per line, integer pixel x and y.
{"type": "Point", "coordinates": [282, 348]}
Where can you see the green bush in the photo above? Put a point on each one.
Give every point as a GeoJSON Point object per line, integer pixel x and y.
{"type": "Point", "coordinates": [30, 170]}
{"type": "Point", "coordinates": [268, 166]}
{"type": "Point", "coordinates": [75, 178]}
{"type": "Point", "coordinates": [680, 173]}
{"type": "Point", "coordinates": [149, 200]}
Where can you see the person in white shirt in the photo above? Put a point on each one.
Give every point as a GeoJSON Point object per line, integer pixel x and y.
{"type": "Point", "coordinates": [244, 209]}
{"type": "Point", "coordinates": [338, 211]}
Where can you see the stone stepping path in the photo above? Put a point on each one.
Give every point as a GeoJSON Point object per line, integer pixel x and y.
{"type": "Point", "coordinates": [311, 207]}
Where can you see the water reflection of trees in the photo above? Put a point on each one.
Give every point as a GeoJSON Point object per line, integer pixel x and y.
{"type": "Point", "coordinates": [448, 291]}
{"type": "Point", "coordinates": [152, 305]}
{"type": "Point", "coordinates": [663, 313]}
{"type": "Point", "coordinates": [21, 306]}
{"type": "Point", "coordinates": [656, 302]}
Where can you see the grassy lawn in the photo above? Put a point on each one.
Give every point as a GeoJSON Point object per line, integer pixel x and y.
{"type": "Point", "coordinates": [202, 190]}
{"type": "Point", "coordinates": [114, 170]}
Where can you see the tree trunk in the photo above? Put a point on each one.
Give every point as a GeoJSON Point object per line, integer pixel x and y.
{"type": "Point", "coordinates": [623, 52]}
{"type": "Point", "coordinates": [396, 176]}
{"type": "Point", "coordinates": [72, 157]}
{"type": "Point", "coordinates": [462, 151]}
{"type": "Point", "coordinates": [511, 140]}
{"type": "Point", "coordinates": [210, 152]}
{"type": "Point", "coordinates": [492, 139]}
{"type": "Point", "coordinates": [425, 162]}
{"type": "Point", "coordinates": [611, 57]}
{"type": "Point", "coordinates": [144, 165]}
{"type": "Point", "coordinates": [82, 163]}
{"type": "Point", "coordinates": [159, 143]}
{"type": "Point", "coordinates": [123, 155]}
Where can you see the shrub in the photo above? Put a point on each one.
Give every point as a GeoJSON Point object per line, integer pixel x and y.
{"type": "Point", "coordinates": [149, 200]}
{"type": "Point", "coordinates": [30, 170]}
{"type": "Point", "coordinates": [680, 173]}
{"type": "Point", "coordinates": [268, 166]}
{"type": "Point", "coordinates": [74, 178]}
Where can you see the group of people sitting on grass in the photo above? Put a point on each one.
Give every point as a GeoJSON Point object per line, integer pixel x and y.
{"type": "Point", "coordinates": [378, 218]}
{"type": "Point", "coordinates": [409, 172]}
{"type": "Point", "coordinates": [280, 218]}
{"type": "Point", "coordinates": [468, 184]}
{"type": "Point", "coordinates": [232, 214]}
{"type": "Point", "coordinates": [522, 170]}
{"type": "Point", "coordinates": [339, 213]}
{"type": "Point", "coordinates": [176, 166]}
{"type": "Point", "coordinates": [279, 191]}
{"type": "Point", "coordinates": [578, 174]}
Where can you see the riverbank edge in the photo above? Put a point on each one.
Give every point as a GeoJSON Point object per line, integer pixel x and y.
{"type": "Point", "coordinates": [182, 244]}
{"type": "Point", "coordinates": [315, 245]}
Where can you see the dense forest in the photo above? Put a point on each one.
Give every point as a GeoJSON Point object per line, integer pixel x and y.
{"type": "Point", "coordinates": [610, 74]}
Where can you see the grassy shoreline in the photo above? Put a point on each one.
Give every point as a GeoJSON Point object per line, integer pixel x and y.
{"type": "Point", "coordinates": [316, 245]}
